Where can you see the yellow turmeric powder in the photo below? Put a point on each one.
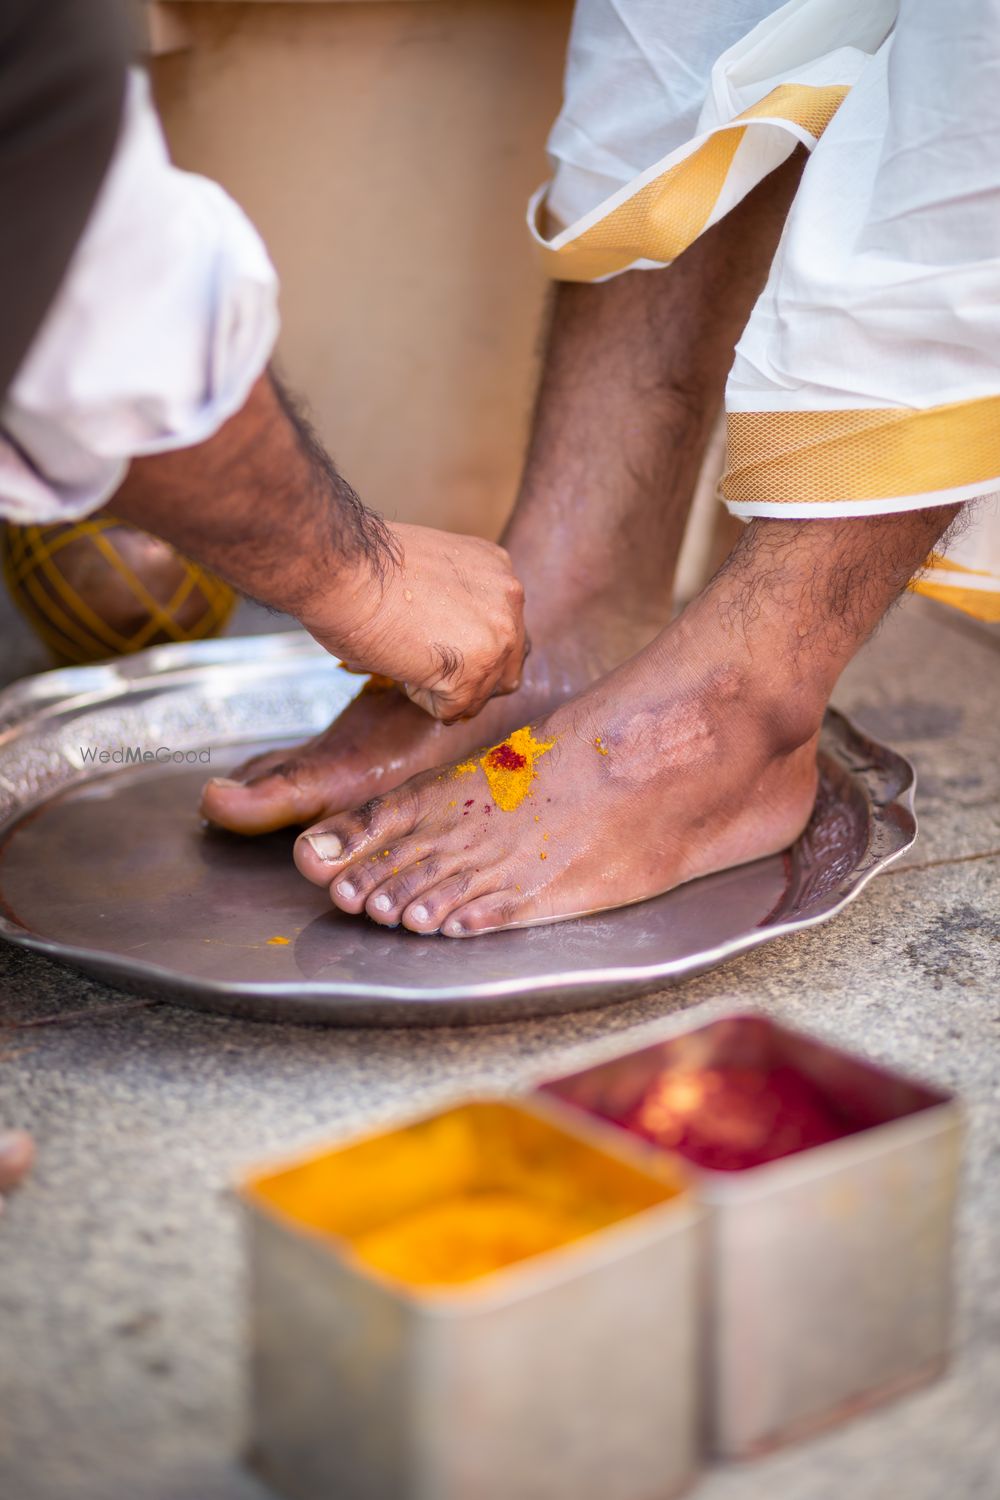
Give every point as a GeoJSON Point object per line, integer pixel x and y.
{"type": "Point", "coordinates": [469, 1235]}
{"type": "Point", "coordinates": [459, 1196]}
{"type": "Point", "coordinates": [510, 767]}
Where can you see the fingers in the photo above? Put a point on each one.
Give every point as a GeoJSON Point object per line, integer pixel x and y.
{"type": "Point", "coordinates": [17, 1152]}
{"type": "Point", "coordinates": [451, 702]}
{"type": "Point", "coordinates": [454, 636]}
{"type": "Point", "coordinates": [513, 672]}
{"type": "Point", "coordinates": [510, 678]}
{"type": "Point", "coordinates": [434, 702]}
{"type": "Point", "coordinates": [461, 692]}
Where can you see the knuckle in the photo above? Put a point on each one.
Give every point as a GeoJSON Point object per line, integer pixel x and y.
{"type": "Point", "coordinates": [363, 877]}
{"type": "Point", "coordinates": [415, 879]}
{"type": "Point", "coordinates": [404, 803]}
{"type": "Point", "coordinates": [368, 812]}
{"type": "Point", "coordinates": [284, 770]}
{"type": "Point", "coordinates": [459, 887]}
{"type": "Point", "coordinates": [295, 770]}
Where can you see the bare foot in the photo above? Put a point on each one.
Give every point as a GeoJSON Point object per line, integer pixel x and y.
{"type": "Point", "coordinates": [381, 738]}
{"type": "Point", "coordinates": [675, 765]}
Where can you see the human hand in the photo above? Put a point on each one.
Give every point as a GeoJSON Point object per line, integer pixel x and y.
{"type": "Point", "coordinates": [16, 1156]}
{"type": "Point", "coordinates": [262, 504]}
{"type": "Point", "coordinates": [445, 620]}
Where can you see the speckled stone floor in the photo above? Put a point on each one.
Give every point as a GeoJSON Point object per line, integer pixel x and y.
{"type": "Point", "coordinates": [121, 1292]}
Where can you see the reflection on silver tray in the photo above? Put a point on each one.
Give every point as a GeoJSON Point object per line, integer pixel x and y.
{"type": "Point", "coordinates": [108, 868]}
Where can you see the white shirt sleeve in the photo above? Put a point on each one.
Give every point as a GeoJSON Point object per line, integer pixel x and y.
{"type": "Point", "coordinates": [166, 317]}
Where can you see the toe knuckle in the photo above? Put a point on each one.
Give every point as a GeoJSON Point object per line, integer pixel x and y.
{"type": "Point", "coordinates": [368, 812]}
{"type": "Point", "coordinates": [407, 887]}
{"type": "Point", "coordinates": [292, 770]}
{"type": "Point", "coordinates": [423, 874]}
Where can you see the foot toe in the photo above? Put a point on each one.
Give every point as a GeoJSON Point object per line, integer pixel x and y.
{"type": "Point", "coordinates": [327, 848]}
{"type": "Point", "coordinates": [322, 850]}
{"type": "Point", "coordinates": [417, 873]}
{"type": "Point", "coordinates": [372, 873]}
{"type": "Point", "coordinates": [271, 792]}
{"type": "Point", "coordinates": [487, 913]}
{"type": "Point", "coordinates": [428, 911]}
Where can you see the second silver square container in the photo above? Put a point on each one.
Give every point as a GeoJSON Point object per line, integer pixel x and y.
{"type": "Point", "coordinates": [830, 1268]}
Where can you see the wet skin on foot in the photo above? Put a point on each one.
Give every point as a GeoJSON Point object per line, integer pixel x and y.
{"type": "Point", "coordinates": [381, 739]}
{"type": "Point", "coordinates": [637, 791]}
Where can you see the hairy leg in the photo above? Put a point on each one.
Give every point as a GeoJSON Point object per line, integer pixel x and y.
{"type": "Point", "coordinates": [697, 754]}
{"type": "Point", "coordinates": [632, 380]}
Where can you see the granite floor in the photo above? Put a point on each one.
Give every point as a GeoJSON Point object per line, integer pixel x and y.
{"type": "Point", "coordinates": [121, 1290]}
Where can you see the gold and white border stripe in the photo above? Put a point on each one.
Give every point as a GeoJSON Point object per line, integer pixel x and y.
{"type": "Point", "coordinates": [657, 215]}
{"type": "Point", "coordinates": [866, 461]}
{"type": "Point", "coordinates": [972, 590]}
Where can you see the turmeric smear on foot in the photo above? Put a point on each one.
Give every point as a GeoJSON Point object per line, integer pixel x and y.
{"type": "Point", "coordinates": [510, 767]}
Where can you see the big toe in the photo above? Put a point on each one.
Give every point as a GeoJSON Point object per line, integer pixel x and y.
{"type": "Point", "coordinates": [259, 799]}
{"type": "Point", "coordinates": [328, 846]}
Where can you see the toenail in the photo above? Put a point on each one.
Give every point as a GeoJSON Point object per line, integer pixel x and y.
{"type": "Point", "coordinates": [346, 889]}
{"type": "Point", "coordinates": [223, 781]}
{"type": "Point", "coordinates": [382, 903]}
{"type": "Point", "coordinates": [420, 914]}
{"type": "Point", "coordinates": [325, 846]}
{"type": "Point", "coordinates": [456, 928]}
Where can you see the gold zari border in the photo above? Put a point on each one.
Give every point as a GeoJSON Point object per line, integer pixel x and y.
{"type": "Point", "coordinates": [660, 220]}
{"type": "Point", "coordinates": [979, 603]}
{"type": "Point", "coordinates": [828, 457]}
{"type": "Point", "coordinates": [982, 603]}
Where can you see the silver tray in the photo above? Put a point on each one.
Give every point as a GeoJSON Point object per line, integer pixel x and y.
{"type": "Point", "coordinates": [108, 868]}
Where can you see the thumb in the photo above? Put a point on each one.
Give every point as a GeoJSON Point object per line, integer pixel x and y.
{"type": "Point", "coordinates": [442, 705]}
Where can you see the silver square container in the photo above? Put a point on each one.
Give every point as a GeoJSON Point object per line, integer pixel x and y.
{"type": "Point", "coordinates": [571, 1375]}
{"type": "Point", "coordinates": [830, 1269]}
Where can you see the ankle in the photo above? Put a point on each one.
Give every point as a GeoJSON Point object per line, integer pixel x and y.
{"type": "Point", "coordinates": [575, 573]}
{"type": "Point", "coordinates": [770, 699]}
{"type": "Point", "coordinates": [558, 613]}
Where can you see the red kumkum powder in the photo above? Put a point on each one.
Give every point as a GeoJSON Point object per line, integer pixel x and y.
{"type": "Point", "coordinates": [506, 758]}
{"type": "Point", "coordinates": [728, 1119]}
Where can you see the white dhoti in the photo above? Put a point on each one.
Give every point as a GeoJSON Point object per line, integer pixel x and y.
{"type": "Point", "coordinates": [868, 377]}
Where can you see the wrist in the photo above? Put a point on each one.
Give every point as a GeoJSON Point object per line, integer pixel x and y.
{"type": "Point", "coordinates": [342, 605]}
